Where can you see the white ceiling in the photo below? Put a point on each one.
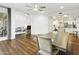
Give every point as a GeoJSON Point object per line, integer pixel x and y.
{"type": "Point", "coordinates": [51, 8]}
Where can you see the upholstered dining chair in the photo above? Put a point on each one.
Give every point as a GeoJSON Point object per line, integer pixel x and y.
{"type": "Point", "coordinates": [45, 46]}
{"type": "Point", "coordinates": [62, 39]}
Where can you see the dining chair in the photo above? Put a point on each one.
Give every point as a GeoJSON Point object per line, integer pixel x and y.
{"type": "Point", "coordinates": [64, 40]}
{"type": "Point", "coordinates": [61, 39]}
{"type": "Point", "coordinates": [45, 46]}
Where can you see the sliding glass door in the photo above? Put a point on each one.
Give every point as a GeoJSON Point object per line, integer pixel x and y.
{"type": "Point", "coordinates": [3, 22]}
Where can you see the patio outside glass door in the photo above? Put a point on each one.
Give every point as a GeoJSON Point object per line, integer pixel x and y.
{"type": "Point", "coordinates": [3, 23]}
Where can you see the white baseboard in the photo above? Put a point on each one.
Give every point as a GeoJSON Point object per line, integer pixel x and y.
{"type": "Point", "coordinates": [3, 38]}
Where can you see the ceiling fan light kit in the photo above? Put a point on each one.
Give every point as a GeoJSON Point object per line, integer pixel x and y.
{"type": "Point", "coordinates": [36, 8]}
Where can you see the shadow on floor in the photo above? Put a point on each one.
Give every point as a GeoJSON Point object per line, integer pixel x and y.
{"type": "Point", "coordinates": [62, 53]}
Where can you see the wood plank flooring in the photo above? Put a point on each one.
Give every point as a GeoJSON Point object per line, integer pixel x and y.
{"type": "Point", "coordinates": [19, 46]}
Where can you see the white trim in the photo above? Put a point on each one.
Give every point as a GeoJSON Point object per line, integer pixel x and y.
{"type": "Point", "coordinates": [3, 38]}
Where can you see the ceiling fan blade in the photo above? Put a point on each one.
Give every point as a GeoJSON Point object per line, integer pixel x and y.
{"type": "Point", "coordinates": [35, 6]}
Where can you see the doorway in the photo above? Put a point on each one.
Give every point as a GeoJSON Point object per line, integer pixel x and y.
{"type": "Point", "coordinates": [3, 23]}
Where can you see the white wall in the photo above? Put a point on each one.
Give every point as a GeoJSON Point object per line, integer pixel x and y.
{"type": "Point", "coordinates": [21, 19]}
{"type": "Point", "coordinates": [18, 19]}
{"type": "Point", "coordinates": [39, 24]}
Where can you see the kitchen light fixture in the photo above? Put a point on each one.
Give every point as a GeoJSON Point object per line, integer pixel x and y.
{"type": "Point", "coordinates": [54, 22]}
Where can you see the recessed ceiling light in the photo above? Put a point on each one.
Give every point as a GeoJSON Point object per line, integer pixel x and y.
{"type": "Point", "coordinates": [35, 9]}
{"type": "Point", "coordinates": [36, 5]}
{"type": "Point", "coordinates": [61, 7]}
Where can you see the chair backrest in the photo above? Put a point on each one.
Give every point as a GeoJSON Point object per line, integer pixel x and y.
{"type": "Point", "coordinates": [64, 39]}
{"type": "Point", "coordinates": [45, 45]}
{"type": "Point", "coordinates": [55, 33]}
{"type": "Point", "coordinates": [58, 36]}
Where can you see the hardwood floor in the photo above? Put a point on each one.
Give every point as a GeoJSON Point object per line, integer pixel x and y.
{"type": "Point", "coordinates": [19, 46]}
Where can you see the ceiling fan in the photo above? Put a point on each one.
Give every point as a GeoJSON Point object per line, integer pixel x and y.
{"type": "Point", "coordinates": [35, 8]}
